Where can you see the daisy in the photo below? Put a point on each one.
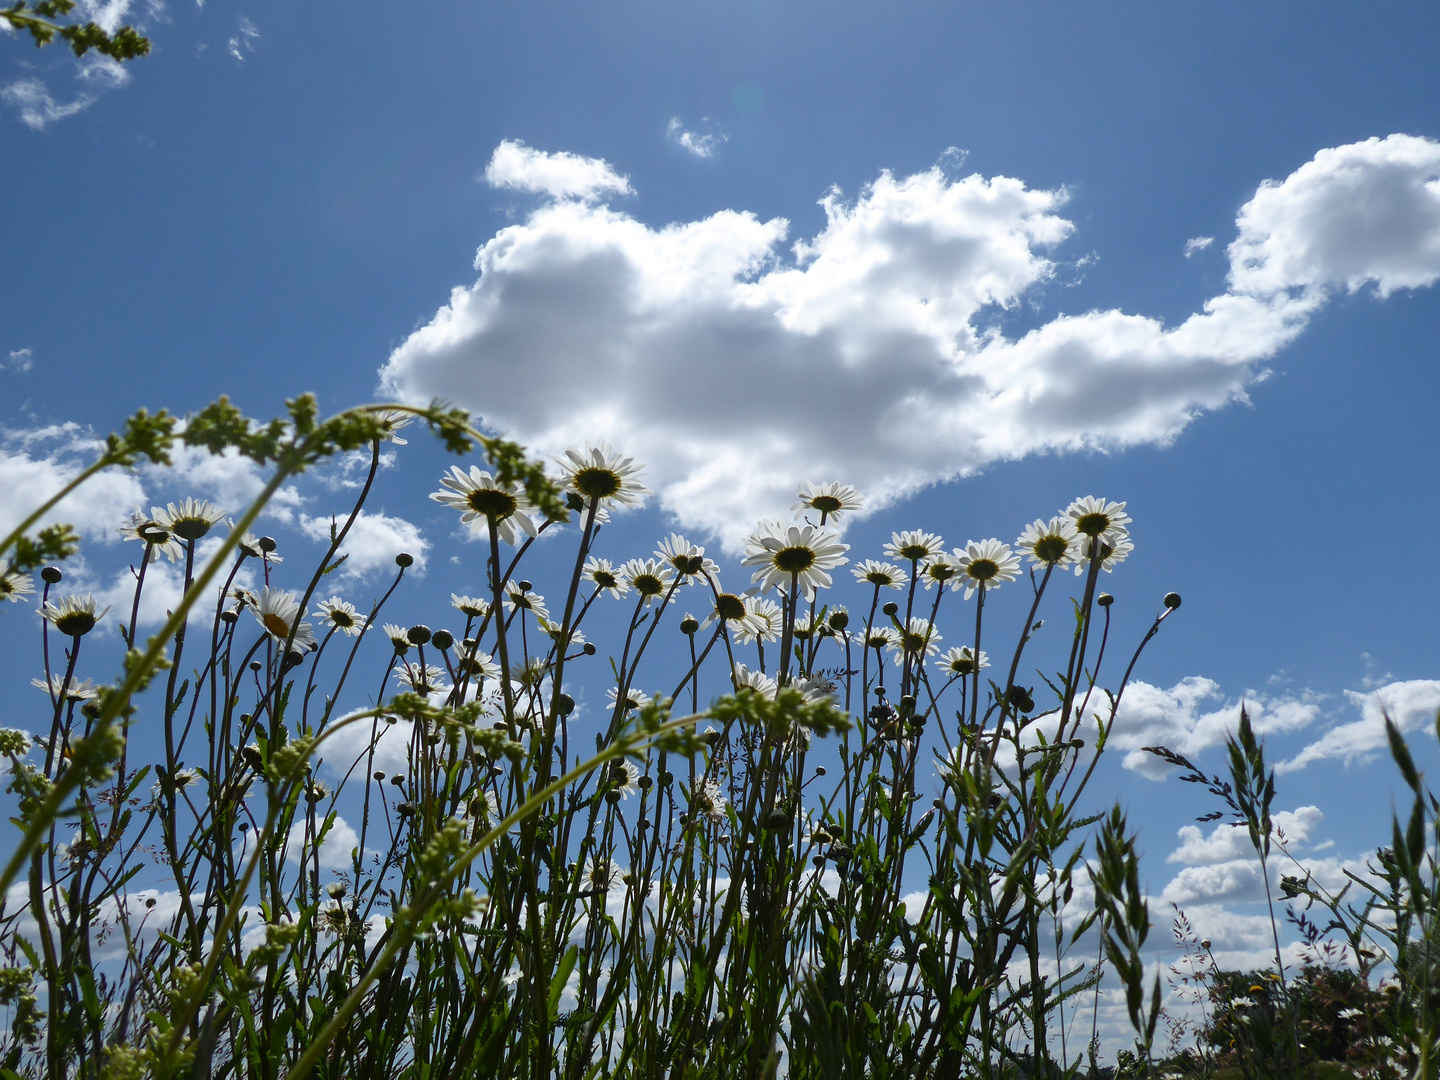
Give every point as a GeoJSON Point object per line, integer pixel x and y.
{"type": "Point", "coordinates": [919, 638]}
{"type": "Point", "coordinates": [914, 545]}
{"type": "Point", "coordinates": [70, 690]}
{"type": "Point", "coordinates": [706, 800]}
{"type": "Point", "coordinates": [244, 597]}
{"type": "Point", "coordinates": [758, 681]}
{"type": "Point", "coordinates": [828, 500]}
{"type": "Point", "coordinates": [623, 776]}
{"type": "Point", "coordinates": [599, 474]}
{"type": "Point", "coordinates": [880, 574]}
{"type": "Point", "coordinates": [156, 538]}
{"type": "Point", "coordinates": [1112, 554]}
{"type": "Point", "coordinates": [474, 661]}
{"type": "Point", "coordinates": [423, 680]}
{"type": "Point", "coordinates": [397, 636]}
{"type": "Point", "coordinates": [14, 586]}
{"type": "Point", "coordinates": [481, 502]}
{"type": "Point", "coordinates": [688, 559]}
{"type": "Point", "coordinates": [74, 616]}
{"type": "Point", "coordinates": [816, 688]}
{"type": "Point", "coordinates": [877, 637]}
{"type": "Point", "coordinates": [278, 611]}
{"type": "Point", "coordinates": [600, 873]}
{"type": "Point", "coordinates": [648, 577]}
{"type": "Point", "coordinates": [839, 618]}
{"type": "Point", "coordinates": [793, 554]}
{"type": "Point", "coordinates": [634, 699]}
{"type": "Point", "coordinates": [1095, 517]}
{"type": "Point", "coordinates": [342, 616]}
{"type": "Point", "coordinates": [470, 606]}
{"type": "Point", "coordinates": [764, 621]}
{"type": "Point", "coordinates": [552, 631]}
{"type": "Point", "coordinates": [1052, 543]}
{"type": "Point", "coordinates": [961, 662]}
{"type": "Point", "coordinates": [516, 597]}
{"type": "Point", "coordinates": [602, 573]}
{"type": "Point", "coordinates": [986, 564]}
{"type": "Point", "coordinates": [804, 627]}
{"type": "Point", "coordinates": [938, 570]}
{"type": "Point", "coordinates": [394, 420]}
{"type": "Point", "coordinates": [262, 547]}
{"type": "Point", "coordinates": [189, 519]}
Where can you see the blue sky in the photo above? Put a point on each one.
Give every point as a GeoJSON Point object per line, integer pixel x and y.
{"type": "Point", "coordinates": [281, 195]}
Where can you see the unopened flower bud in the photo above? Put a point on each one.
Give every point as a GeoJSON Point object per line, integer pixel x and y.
{"type": "Point", "coordinates": [418, 634]}
{"type": "Point", "coordinates": [689, 625]}
{"type": "Point", "coordinates": [891, 609]}
{"type": "Point", "coordinates": [1104, 599]}
{"type": "Point", "coordinates": [588, 648]}
{"type": "Point", "coordinates": [51, 575]}
{"type": "Point", "coordinates": [267, 544]}
{"type": "Point", "coordinates": [1172, 600]}
{"type": "Point", "coordinates": [442, 639]}
{"type": "Point", "coordinates": [404, 560]}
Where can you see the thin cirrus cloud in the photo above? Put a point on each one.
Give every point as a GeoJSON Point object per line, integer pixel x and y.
{"type": "Point", "coordinates": [736, 369]}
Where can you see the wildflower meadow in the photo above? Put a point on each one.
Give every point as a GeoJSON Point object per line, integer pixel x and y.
{"type": "Point", "coordinates": [849, 834]}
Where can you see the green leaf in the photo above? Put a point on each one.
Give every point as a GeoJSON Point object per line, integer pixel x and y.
{"type": "Point", "coordinates": [562, 976]}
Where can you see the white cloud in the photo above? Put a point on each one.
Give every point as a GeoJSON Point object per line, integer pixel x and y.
{"type": "Point", "coordinates": [233, 482]}
{"type": "Point", "coordinates": [1411, 705]}
{"type": "Point", "coordinates": [701, 145]}
{"type": "Point", "coordinates": [102, 72]}
{"type": "Point", "coordinates": [37, 463]}
{"type": "Point", "coordinates": [1197, 243]}
{"type": "Point", "coordinates": [37, 108]}
{"type": "Point", "coordinates": [871, 355]}
{"type": "Point", "coordinates": [1225, 842]}
{"type": "Point", "coordinates": [372, 542]}
{"type": "Point", "coordinates": [335, 849]}
{"type": "Point", "coordinates": [21, 360]}
{"type": "Point", "coordinates": [561, 176]}
{"type": "Point", "coordinates": [244, 40]}
{"type": "Point", "coordinates": [107, 14]}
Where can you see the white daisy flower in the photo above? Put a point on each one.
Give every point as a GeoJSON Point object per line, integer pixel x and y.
{"type": "Point", "coordinates": [398, 635]}
{"type": "Point", "coordinates": [1050, 543]}
{"type": "Point", "coordinates": [278, 612]}
{"type": "Point", "coordinates": [1111, 555]}
{"type": "Point", "coordinates": [914, 545]}
{"type": "Point", "coordinates": [516, 597]}
{"type": "Point", "coordinates": [634, 699]}
{"type": "Point", "coordinates": [938, 570]}
{"type": "Point", "coordinates": [801, 554]}
{"type": "Point", "coordinates": [600, 475]}
{"type": "Point", "coordinates": [71, 690]}
{"type": "Point", "coordinates": [600, 873]}
{"type": "Point", "coordinates": [14, 585]}
{"type": "Point", "coordinates": [473, 661]}
{"type": "Point", "coordinates": [481, 501]}
{"type": "Point", "coordinates": [624, 776]}
{"type": "Point", "coordinates": [877, 637]}
{"type": "Point", "coordinates": [764, 620]}
{"type": "Point", "coordinates": [394, 420]}
{"type": "Point", "coordinates": [254, 545]}
{"type": "Point", "coordinates": [816, 688]}
{"type": "Point", "coordinates": [882, 574]}
{"type": "Point", "coordinates": [987, 563]}
{"type": "Point", "coordinates": [423, 680]}
{"type": "Point", "coordinates": [471, 606]}
{"type": "Point", "coordinates": [828, 500]}
{"type": "Point", "coordinates": [758, 681]}
{"type": "Point", "coordinates": [920, 638]}
{"type": "Point", "coordinates": [687, 559]}
{"type": "Point", "coordinates": [961, 661]}
{"type": "Point", "coordinates": [189, 519]}
{"type": "Point", "coordinates": [603, 575]}
{"type": "Point", "coordinates": [341, 615]}
{"type": "Point", "coordinates": [1095, 517]}
{"type": "Point", "coordinates": [707, 800]}
{"type": "Point", "coordinates": [157, 538]}
{"type": "Point", "coordinates": [552, 631]}
{"type": "Point", "coordinates": [648, 577]}
{"type": "Point", "coordinates": [74, 616]}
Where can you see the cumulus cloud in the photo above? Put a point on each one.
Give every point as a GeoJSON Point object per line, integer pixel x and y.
{"type": "Point", "coordinates": [869, 352]}
{"type": "Point", "coordinates": [335, 849]}
{"type": "Point", "coordinates": [38, 462]}
{"type": "Point", "coordinates": [561, 176]}
{"type": "Point", "coordinates": [1411, 705]}
{"type": "Point", "coordinates": [1225, 842]}
{"type": "Point", "coordinates": [37, 107]}
{"type": "Point", "coordinates": [700, 144]}
{"type": "Point", "coordinates": [372, 542]}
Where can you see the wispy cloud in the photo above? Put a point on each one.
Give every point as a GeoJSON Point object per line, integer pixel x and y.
{"type": "Point", "coordinates": [243, 43]}
{"type": "Point", "coordinates": [37, 107]}
{"type": "Point", "coordinates": [21, 360]}
{"type": "Point", "coordinates": [1197, 243]}
{"type": "Point", "coordinates": [519, 167]}
{"type": "Point", "coordinates": [702, 145]}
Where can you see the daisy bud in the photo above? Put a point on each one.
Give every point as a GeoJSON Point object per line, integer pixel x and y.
{"type": "Point", "coordinates": [255, 665]}
{"type": "Point", "coordinates": [819, 770]}
{"type": "Point", "coordinates": [588, 648]}
{"type": "Point", "coordinates": [404, 560]}
{"type": "Point", "coordinates": [689, 625]}
{"type": "Point", "coordinates": [645, 783]}
{"type": "Point", "coordinates": [51, 575]}
{"type": "Point", "coordinates": [1172, 600]}
{"type": "Point", "coordinates": [776, 820]}
{"type": "Point", "coordinates": [230, 617]}
{"type": "Point", "coordinates": [1104, 599]}
{"type": "Point", "coordinates": [564, 705]}
{"type": "Point", "coordinates": [418, 634]}
{"type": "Point", "coordinates": [525, 586]}
{"type": "Point", "coordinates": [891, 609]}
{"type": "Point", "coordinates": [267, 544]}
